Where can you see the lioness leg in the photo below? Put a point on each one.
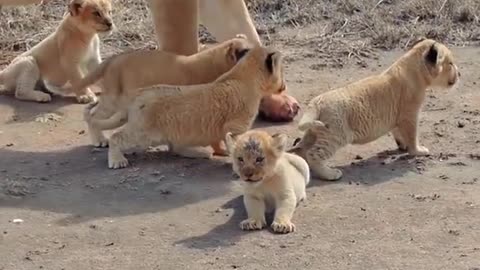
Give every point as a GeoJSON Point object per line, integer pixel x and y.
{"type": "Point", "coordinates": [122, 140]}
{"type": "Point", "coordinates": [408, 130]}
{"type": "Point", "coordinates": [225, 19]}
{"type": "Point", "coordinates": [28, 74]}
{"type": "Point", "coordinates": [176, 25]}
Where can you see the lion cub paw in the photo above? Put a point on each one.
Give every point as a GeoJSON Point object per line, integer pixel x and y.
{"type": "Point", "coordinates": [101, 143]}
{"type": "Point", "coordinates": [117, 162]}
{"type": "Point", "coordinates": [327, 174]}
{"type": "Point", "coordinates": [43, 97]}
{"type": "Point", "coordinates": [283, 227]}
{"type": "Point", "coordinates": [252, 224]}
{"type": "Point", "coordinates": [87, 98]}
{"type": "Point", "coordinates": [420, 151]}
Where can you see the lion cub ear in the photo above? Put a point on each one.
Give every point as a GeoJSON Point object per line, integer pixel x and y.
{"type": "Point", "coordinates": [434, 58]}
{"type": "Point", "coordinates": [230, 140]}
{"type": "Point", "coordinates": [74, 7]}
{"type": "Point", "coordinates": [279, 142]}
{"type": "Point", "coordinates": [273, 60]}
{"type": "Point", "coordinates": [432, 55]}
{"type": "Point", "coordinates": [236, 54]}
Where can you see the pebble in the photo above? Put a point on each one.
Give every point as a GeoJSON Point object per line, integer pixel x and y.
{"type": "Point", "coordinates": [17, 221]}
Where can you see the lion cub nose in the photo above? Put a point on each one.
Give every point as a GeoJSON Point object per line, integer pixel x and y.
{"type": "Point", "coordinates": [248, 172]}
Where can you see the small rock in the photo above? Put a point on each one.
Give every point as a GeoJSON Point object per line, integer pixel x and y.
{"type": "Point", "coordinates": [461, 124]}
{"type": "Point", "coordinates": [165, 192]}
{"type": "Point", "coordinates": [363, 209]}
{"type": "Point", "coordinates": [109, 244]}
{"type": "Point", "coordinates": [454, 232]}
{"type": "Point", "coordinates": [17, 221]}
{"type": "Point", "coordinates": [358, 157]}
{"type": "Point", "coordinates": [9, 144]}
{"type": "Point", "coordinates": [81, 132]}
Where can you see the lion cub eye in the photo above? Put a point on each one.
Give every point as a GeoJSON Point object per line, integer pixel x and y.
{"type": "Point", "coordinates": [240, 159]}
{"type": "Point", "coordinates": [97, 14]}
{"type": "Point", "coordinates": [259, 159]}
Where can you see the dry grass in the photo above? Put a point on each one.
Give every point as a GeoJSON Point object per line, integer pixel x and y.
{"type": "Point", "coordinates": [349, 29]}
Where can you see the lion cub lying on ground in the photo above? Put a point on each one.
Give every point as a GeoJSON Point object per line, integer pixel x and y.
{"type": "Point", "coordinates": [123, 76]}
{"type": "Point", "coordinates": [272, 178]}
{"type": "Point", "coordinates": [199, 115]}
{"type": "Point", "coordinates": [63, 56]}
{"type": "Point", "coordinates": [365, 110]}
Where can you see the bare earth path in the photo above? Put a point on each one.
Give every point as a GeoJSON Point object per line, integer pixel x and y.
{"type": "Point", "coordinates": [164, 212]}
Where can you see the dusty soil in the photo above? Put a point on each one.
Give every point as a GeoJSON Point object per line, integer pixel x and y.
{"type": "Point", "coordinates": [389, 211]}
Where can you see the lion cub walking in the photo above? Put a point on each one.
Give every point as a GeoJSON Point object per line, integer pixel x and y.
{"type": "Point", "coordinates": [62, 57]}
{"type": "Point", "coordinates": [199, 115]}
{"type": "Point", "coordinates": [125, 74]}
{"type": "Point", "coordinates": [273, 178]}
{"type": "Point", "coordinates": [365, 110]}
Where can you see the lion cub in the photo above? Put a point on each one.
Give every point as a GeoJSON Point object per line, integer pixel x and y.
{"type": "Point", "coordinates": [125, 74]}
{"type": "Point", "coordinates": [272, 178]}
{"type": "Point", "coordinates": [63, 56]}
{"type": "Point", "coordinates": [199, 115]}
{"type": "Point", "coordinates": [365, 110]}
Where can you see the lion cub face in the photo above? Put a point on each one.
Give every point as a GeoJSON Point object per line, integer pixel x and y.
{"type": "Point", "coordinates": [255, 154]}
{"type": "Point", "coordinates": [92, 15]}
{"type": "Point", "coordinates": [440, 62]}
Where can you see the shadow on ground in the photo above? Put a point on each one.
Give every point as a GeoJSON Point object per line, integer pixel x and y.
{"type": "Point", "coordinates": [77, 182]}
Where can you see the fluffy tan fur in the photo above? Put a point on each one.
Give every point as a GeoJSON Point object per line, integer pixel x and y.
{"type": "Point", "coordinates": [365, 110]}
{"type": "Point", "coordinates": [123, 75]}
{"type": "Point", "coordinates": [272, 178]}
{"type": "Point", "coordinates": [205, 113]}
{"type": "Point", "coordinates": [62, 57]}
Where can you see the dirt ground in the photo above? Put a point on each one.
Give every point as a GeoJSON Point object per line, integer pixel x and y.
{"type": "Point", "coordinates": [389, 211]}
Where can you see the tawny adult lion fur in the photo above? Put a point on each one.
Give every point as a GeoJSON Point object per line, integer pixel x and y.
{"type": "Point", "coordinates": [125, 74]}
{"type": "Point", "coordinates": [273, 179]}
{"type": "Point", "coordinates": [203, 114]}
{"type": "Point", "coordinates": [176, 28]}
{"type": "Point", "coordinates": [62, 57]}
{"type": "Point", "coordinates": [367, 109]}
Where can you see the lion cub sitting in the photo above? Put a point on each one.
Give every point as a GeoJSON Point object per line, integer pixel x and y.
{"type": "Point", "coordinates": [365, 110]}
{"type": "Point", "coordinates": [199, 115]}
{"type": "Point", "coordinates": [63, 56]}
{"type": "Point", "coordinates": [272, 178]}
{"type": "Point", "coordinates": [125, 74]}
